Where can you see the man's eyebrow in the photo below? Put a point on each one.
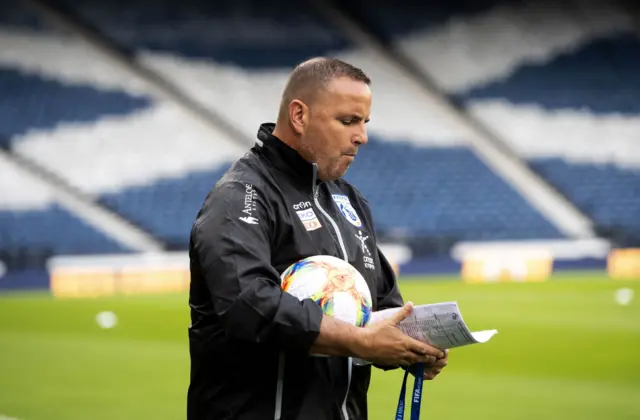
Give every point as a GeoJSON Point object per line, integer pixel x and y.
{"type": "Point", "coordinates": [356, 117]}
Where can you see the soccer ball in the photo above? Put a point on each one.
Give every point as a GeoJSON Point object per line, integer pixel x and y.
{"type": "Point", "coordinates": [332, 283]}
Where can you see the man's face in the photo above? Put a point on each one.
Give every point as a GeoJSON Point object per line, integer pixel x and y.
{"type": "Point", "coordinates": [335, 127]}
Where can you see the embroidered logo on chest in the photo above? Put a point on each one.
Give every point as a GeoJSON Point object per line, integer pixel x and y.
{"type": "Point", "coordinates": [347, 209]}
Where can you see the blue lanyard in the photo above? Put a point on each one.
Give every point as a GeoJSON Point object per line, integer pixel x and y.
{"type": "Point", "coordinates": [416, 398]}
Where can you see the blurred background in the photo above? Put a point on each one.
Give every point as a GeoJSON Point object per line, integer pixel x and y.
{"type": "Point", "coordinates": [503, 171]}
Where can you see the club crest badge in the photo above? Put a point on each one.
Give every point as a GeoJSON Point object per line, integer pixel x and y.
{"type": "Point", "coordinates": [347, 209]}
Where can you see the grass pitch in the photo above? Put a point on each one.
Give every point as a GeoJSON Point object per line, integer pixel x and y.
{"type": "Point", "coordinates": [565, 350]}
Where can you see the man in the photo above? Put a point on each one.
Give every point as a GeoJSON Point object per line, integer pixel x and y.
{"type": "Point", "coordinates": [250, 342]}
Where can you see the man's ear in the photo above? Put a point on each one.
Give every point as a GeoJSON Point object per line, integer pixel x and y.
{"type": "Point", "coordinates": [299, 116]}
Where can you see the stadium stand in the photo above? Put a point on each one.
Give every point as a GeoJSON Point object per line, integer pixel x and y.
{"type": "Point", "coordinates": [32, 220]}
{"type": "Point", "coordinates": [438, 187]}
{"type": "Point", "coordinates": [595, 88]}
{"type": "Point", "coordinates": [168, 206]}
{"type": "Point", "coordinates": [34, 103]}
{"type": "Point", "coordinates": [33, 223]}
{"type": "Point", "coordinates": [15, 15]}
{"type": "Point", "coordinates": [102, 131]}
{"type": "Point", "coordinates": [442, 192]}
{"type": "Point", "coordinates": [558, 81]}
{"type": "Point", "coordinates": [390, 21]}
{"type": "Point", "coordinates": [251, 34]}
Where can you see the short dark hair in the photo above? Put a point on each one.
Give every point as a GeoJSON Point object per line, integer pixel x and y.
{"type": "Point", "coordinates": [312, 75]}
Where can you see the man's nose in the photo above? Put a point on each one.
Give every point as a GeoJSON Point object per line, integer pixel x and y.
{"type": "Point", "coordinates": [361, 138]}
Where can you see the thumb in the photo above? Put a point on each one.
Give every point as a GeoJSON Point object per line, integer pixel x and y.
{"type": "Point", "coordinates": [404, 312]}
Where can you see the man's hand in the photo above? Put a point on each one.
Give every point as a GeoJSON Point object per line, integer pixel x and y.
{"type": "Point", "coordinates": [432, 370]}
{"type": "Point", "coordinates": [383, 343]}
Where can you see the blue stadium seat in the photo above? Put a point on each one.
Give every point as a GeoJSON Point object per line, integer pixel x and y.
{"type": "Point", "coordinates": [252, 34]}
{"type": "Point", "coordinates": [442, 192]}
{"type": "Point", "coordinates": [14, 13]}
{"type": "Point", "coordinates": [54, 230]}
{"type": "Point", "coordinates": [603, 77]}
{"type": "Point", "coordinates": [599, 80]}
{"type": "Point", "coordinates": [428, 192]}
{"type": "Point", "coordinates": [609, 194]}
{"type": "Point", "coordinates": [391, 19]}
{"type": "Point", "coordinates": [31, 102]}
{"type": "Point", "coordinates": [432, 192]}
{"type": "Point", "coordinates": [166, 208]}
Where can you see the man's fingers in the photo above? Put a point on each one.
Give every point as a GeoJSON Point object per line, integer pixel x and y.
{"type": "Point", "coordinates": [446, 353]}
{"type": "Point", "coordinates": [417, 358]}
{"type": "Point", "coordinates": [424, 350]}
{"type": "Point", "coordinates": [431, 374]}
{"type": "Point", "coordinates": [439, 363]}
{"type": "Point", "coordinates": [404, 312]}
{"type": "Point", "coordinates": [416, 346]}
{"type": "Point", "coordinates": [427, 350]}
{"type": "Point", "coordinates": [411, 358]}
{"type": "Point", "coordinates": [407, 360]}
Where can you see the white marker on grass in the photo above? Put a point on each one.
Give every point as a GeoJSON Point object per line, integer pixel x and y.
{"type": "Point", "coordinates": [107, 319]}
{"type": "Point", "coordinates": [624, 296]}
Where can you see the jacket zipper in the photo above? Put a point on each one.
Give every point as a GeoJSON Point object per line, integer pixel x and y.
{"type": "Point", "coordinates": [346, 258]}
{"type": "Point", "coordinates": [333, 223]}
{"type": "Point", "coordinates": [280, 382]}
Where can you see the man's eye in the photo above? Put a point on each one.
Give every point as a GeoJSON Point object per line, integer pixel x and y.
{"type": "Point", "coordinates": [347, 122]}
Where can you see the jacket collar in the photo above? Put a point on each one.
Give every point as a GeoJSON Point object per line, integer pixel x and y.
{"type": "Point", "coordinates": [284, 158]}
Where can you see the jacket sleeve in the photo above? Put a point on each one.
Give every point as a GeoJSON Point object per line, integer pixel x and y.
{"type": "Point", "coordinates": [232, 244]}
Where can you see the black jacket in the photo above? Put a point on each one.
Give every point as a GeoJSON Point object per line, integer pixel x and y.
{"type": "Point", "coordinates": [249, 341]}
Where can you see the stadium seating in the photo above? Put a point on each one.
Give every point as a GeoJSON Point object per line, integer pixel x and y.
{"type": "Point", "coordinates": [559, 82]}
{"type": "Point", "coordinates": [442, 192]}
{"type": "Point", "coordinates": [607, 193]}
{"type": "Point", "coordinates": [390, 20]}
{"type": "Point", "coordinates": [598, 88]}
{"type": "Point", "coordinates": [33, 103]}
{"type": "Point", "coordinates": [601, 77]}
{"type": "Point", "coordinates": [33, 225]}
{"type": "Point", "coordinates": [251, 34]}
{"type": "Point", "coordinates": [145, 158]}
{"type": "Point", "coordinates": [14, 13]}
{"type": "Point", "coordinates": [100, 130]}
{"type": "Point", "coordinates": [167, 207]}
{"type": "Point", "coordinates": [237, 74]}
{"type": "Point", "coordinates": [582, 115]}
{"type": "Point", "coordinates": [32, 220]}
{"type": "Point", "coordinates": [54, 230]}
